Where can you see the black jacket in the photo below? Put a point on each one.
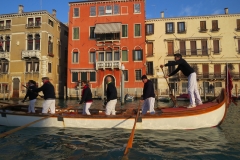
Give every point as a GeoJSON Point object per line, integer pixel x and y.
{"type": "Point", "coordinates": [148, 90]}
{"type": "Point", "coordinates": [47, 89]}
{"type": "Point", "coordinates": [86, 95]}
{"type": "Point", "coordinates": [182, 66]}
{"type": "Point", "coordinates": [32, 95]}
{"type": "Point", "coordinates": [111, 92]}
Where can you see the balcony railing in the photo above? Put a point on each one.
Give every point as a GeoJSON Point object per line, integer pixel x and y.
{"type": "Point", "coordinates": [33, 25]}
{"type": "Point", "coordinates": [203, 30]}
{"type": "Point", "coordinates": [108, 43]}
{"type": "Point", "coordinates": [31, 54]}
{"type": "Point", "coordinates": [108, 65]}
{"type": "Point", "coordinates": [7, 27]}
{"type": "Point", "coordinates": [196, 52]}
{"type": "Point", "coordinates": [4, 55]}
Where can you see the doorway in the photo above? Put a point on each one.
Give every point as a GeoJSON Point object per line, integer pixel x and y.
{"type": "Point", "coordinates": [16, 82]}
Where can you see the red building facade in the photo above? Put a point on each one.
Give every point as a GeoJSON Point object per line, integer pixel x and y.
{"type": "Point", "coordinates": [103, 35]}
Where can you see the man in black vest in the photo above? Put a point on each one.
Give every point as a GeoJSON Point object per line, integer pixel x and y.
{"type": "Point", "coordinates": [111, 97]}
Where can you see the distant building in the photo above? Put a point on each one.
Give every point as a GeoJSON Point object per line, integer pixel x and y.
{"type": "Point", "coordinates": [32, 45]}
{"type": "Point", "coordinates": [206, 42]}
{"type": "Point", "coordinates": [103, 35]}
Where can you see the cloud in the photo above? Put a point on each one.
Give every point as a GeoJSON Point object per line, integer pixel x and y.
{"type": "Point", "coordinates": [186, 11]}
{"type": "Point", "coordinates": [218, 11]}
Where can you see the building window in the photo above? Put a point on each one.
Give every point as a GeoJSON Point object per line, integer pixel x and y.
{"type": "Point", "coordinates": [170, 48]}
{"type": "Point", "coordinates": [50, 46]}
{"type": "Point", "coordinates": [216, 49]}
{"type": "Point", "coordinates": [215, 25]}
{"type": "Point", "coordinates": [193, 47]}
{"type": "Point", "coordinates": [205, 70]}
{"type": "Point", "coordinates": [137, 30]}
{"type": "Point", "coordinates": [182, 47]}
{"type": "Point", "coordinates": [149, 29]}
{"type": "Point", "coordinates": [92, 57]}
{"type": "Point", "coordinates": [137, 55]}
{"type": "Point", "coordinates": [75, 57]}
{"type": "Point", "coordinates": [218, 84]}
{"type": "Point", "coordinates": [92, 34]}
{"type": "Point", "coordinates": [8, 24]}
{"type": "Point", "coordinates": [149, 48]}
{"type": "Point", "coordinates": [204, 47]}
{"type": "Point", "coordinates": [7, 44]}
{"type": "Point", "coordinates": [217, 70]}
{"type": "Point", "coordinates": [32, 66]}
{"type": "Point", "coordinates": [92, 76]}
{"type": "Point", "coordinates": [138, 75]}
{"type": "Point", "coordinates": [101, 10]}
{"type": "Point", "coordinates": [124, 55]}
{"type": "Point", "coordinates": [30, 42]}
{"type": "Point", "coordinates": [108, 10]}
{"type": "Point", "coordinates": [84, 76]}
{"type": "Point", "coordinates": [170, 27]}
{"type": "Point", "coordinates": [238, 25]}
{"type": "Point", "coordinates": [38, 21]}
{"type": "Point", "coordinates": [75, 32]}
{"type": "Point", "coordinates": [49, 67]}
{"type": "Point", "coordinates": [149, 68]}
{"type": "Point", "coordinates": [93, 11]}
{"type": "Point", "coordinates": [238, 45]}
{"type": "Point", "coordinates": [116, 9]}
{"type": "Point", "coordinates": [75, 12]}
{"type": "Point", "coordinates": [30, 22]}
{"type": "Point", "coordinates": [124, 30]}
{"type": "Point", "coordinates": [137, 8]}
{"type": "Point", "coordinates": [116, 56]}
{"type": "Point", "coordinates": [4, 65]}
{"type": "Point", "coordinates": [125, 72]}
{"type": "Point", "coordinates": [101, 56]}
{"type": "Point", "coordinates": [203, 26]}
{"type": "Point", "coordinates": [108, 56]}
{"type": "Point", "coordinates": [181, 27]}
{"type": "Point", "coordinates": [1, 44]}
{"type": "Point", "coordinates": [37, 42]}
{"type": "Point", "coordinates": [50, 22]}
{"type": "Point", "coordinates": [74, 76]}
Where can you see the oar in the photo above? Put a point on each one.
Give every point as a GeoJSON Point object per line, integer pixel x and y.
{"type": "Point", "coordinates": [32, 91]}
{"type": "Point", "coordinates": [170, 95]}
{"type": "Point", "coordinates": [26, 125]}
{"type": "Point", "coordinates": [130, 140]}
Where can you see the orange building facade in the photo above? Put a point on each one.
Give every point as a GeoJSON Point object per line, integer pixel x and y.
{"type": "Point", "coordinates": [103, 36]}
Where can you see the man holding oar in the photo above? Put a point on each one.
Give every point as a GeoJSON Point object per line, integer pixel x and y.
{"type": "Point", "coordinates": [49, 95]}
{"type": "Point", "coordinates": [189, 72]}
{"type": "Point", "coordinates": [32, 96]}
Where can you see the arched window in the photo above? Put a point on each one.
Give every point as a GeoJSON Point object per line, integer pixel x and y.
{"type": "Point", "coordinates": [50, 46]}
{"type": "Point", "coordinates": [7, 44]}
{"type": "Point", "coordinates": [37, 42]}
{"type": "Point", "coordinates": [30, 42]}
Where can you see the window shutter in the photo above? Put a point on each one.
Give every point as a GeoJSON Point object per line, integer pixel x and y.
{"type": "Point", "coordinates": [202, 25]}
{"type": "Point", "coordinates": [146, 32]}
{"type": "Point", "coordinates": [193, 47]}
{"type": "Point", "coordinates": [141, 54]}
{"type": "Point", "coordinates": [166, 28]}
{"type": "Point", "coordinates": [150, 48]}
{"type": "Point", "coordinates": [153, 28]}
{"type": "Point", "coordinates": [205, 70]}
{"type": "Point", "coordinates": [238, 45]}
{"type": "Point", "coordinates": [182, 48]}
{"type": "Point", "coordinates": [238, 24]}
{"type": "Point", "coordinates": [133, 56]}
{"type": "Point", "coordinates": [217, 70]}
{"type": "Point", "coordinates": [215, 25]}
{"type": "Point", "coordinates": [216, 46]}
{"type": "Point", "coordinates": [204, 47]}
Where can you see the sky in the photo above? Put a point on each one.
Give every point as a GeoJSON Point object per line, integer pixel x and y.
{"type": "Point", "coordinates": [173, 8]}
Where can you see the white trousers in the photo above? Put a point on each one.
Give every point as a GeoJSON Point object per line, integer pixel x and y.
{"type": "Point", "coordinates": [148, 104]}
{"type": "Point", "coordinates": [48, 104]}
{"type": "Point", "coordinates": [193, 89]}
{"type": "Point", "coordinates": [31, 106]}
{"type": "Point", "coordinates": [86, 107]}
{"type": "Point", "coordinates": [110, 107]}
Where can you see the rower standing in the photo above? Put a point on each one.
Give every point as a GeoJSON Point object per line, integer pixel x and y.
{"type": "Point", "coordinates": [32, 96]}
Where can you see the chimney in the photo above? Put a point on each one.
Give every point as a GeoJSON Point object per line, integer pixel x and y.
{"type": "Point", "coordinates": [20, 9]}
{"type": "Point", "coordinates": [54, 12]}
{"type": "Point", "coordinates": [162, 14]}
{"type": "Point", "coordinates": [226, 10]}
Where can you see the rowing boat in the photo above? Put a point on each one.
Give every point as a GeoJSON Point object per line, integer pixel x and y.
{"type": "Point", "coordinates": [209, 114]}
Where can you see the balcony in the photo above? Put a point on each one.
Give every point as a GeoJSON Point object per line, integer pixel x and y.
{"type": "Point", "coordinates": [31, 54]}
{"type": "Point", "coordinates": [7, 27]}
{"type": "Point", "coordinates": [33, 25]}
{"type": "Point", "coordinates": [215, 29]}
{"type": "Point", "coordinates": [108, 43]}
{"type": "Point", "coordinates": [108, 65]}
{"type": "Point", "coordinates": [4, 55]}
{"type": "Point", "coordinates": [203, 30]}
{"type": "Point", "coordinates": [196, 52]}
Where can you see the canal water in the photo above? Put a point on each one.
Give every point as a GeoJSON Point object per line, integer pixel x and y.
{"type": "Point", "coordinates": [89, 144]}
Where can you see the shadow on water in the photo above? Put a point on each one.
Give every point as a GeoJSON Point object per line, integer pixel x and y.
{"type": "Point", "coordinates": [107, 144]}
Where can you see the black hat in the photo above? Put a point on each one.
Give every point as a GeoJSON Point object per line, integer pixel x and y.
{"type": "Point", "coordinates": [144, 77]}
{"type": "Point", "coordinates": [177, 55]}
